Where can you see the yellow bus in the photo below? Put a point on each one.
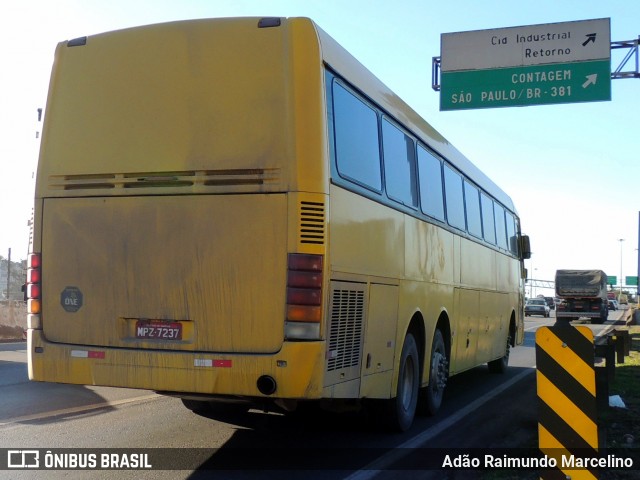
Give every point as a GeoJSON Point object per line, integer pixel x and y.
{"type": "Point", "coordinates": [237, 209]}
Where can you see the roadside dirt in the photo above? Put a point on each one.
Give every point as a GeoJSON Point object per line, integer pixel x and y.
{"type": "Point", "coordinates": [13, 320]}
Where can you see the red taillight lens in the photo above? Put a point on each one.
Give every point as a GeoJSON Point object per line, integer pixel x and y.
{"type": "Point", "coordinates": [305, 262]}
{"type": "Point", "coordinates": [33, 261]}
{"type": "Point", "coordinates": [304, 279]}
{"type": "Point", "coordinates": [33, 290]}
{"type": "Point", "coordinates": [304, 296]}
{"type": "Point", "coordinates": [34, 278]}
{"type": "Point", "coordinates": [304, 287]}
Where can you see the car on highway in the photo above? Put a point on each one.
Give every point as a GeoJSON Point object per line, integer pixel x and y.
{"type": "Point", "coordinates": [537, 306]}
{"type": "Point", "coordinates": [551, 302]}
{"type": "Point", "coordinates": [613, 304]}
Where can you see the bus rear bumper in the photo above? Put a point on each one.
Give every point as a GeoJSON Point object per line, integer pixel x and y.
{"type": "Point", "coordinates": [296, 369]}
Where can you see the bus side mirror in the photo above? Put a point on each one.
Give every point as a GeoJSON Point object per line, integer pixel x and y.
{"type": "Point", "coordinates": [525, 247]}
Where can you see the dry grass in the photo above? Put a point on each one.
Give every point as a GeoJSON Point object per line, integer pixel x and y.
{"type": "Point", "coordinates": [622, 425]}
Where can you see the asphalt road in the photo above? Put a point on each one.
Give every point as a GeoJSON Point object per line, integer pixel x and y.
{"type": "Point", "coordinates": [480, 410]}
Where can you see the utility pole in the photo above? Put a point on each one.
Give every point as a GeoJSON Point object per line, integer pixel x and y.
{"type": "Point", "coordinates": [8, 273]}
{"type": "Point", "coordinates": [620, 240]}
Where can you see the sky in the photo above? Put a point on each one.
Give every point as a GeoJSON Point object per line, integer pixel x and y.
{"type": "Point", "coordinates": [572, 170]}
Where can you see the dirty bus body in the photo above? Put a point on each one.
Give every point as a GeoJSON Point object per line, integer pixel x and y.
{"type": "Point", "coordinates": [212, 223]}
{"type": "Point", "coordinates": [583, 293]}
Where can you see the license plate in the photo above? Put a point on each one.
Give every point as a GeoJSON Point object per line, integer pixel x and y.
{"type": "Point", "coordinates": [159, 330]}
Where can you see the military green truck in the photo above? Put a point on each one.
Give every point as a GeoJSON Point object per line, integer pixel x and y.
{"type": "Point", "coordinates": [582, 293]}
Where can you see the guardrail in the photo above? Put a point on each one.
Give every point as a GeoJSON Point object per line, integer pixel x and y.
{"type": "Point", "coordinates": [612, 348]}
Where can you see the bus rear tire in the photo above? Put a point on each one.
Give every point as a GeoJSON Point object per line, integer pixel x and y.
{"type": "Point", "coordinates": [431, 396]}
{"type": "Point", "coordinates": [401, 410]}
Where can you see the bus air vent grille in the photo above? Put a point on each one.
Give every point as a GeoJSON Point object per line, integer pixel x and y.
{"type": "Point", "coordinates": [312, 215]}
{"type": "Point", "coordinates": [345, 330]}
{"type": "Point", "coordinates": [193, 181]}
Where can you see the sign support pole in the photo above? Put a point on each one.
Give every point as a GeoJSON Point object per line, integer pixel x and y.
{"type": "Point", "coordinates": [566, 391]}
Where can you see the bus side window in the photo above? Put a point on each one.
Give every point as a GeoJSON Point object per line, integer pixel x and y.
{"type": "Point", "coordinates": [356, 139]}
{"type": "Point", "coordinates": [430, 175]}
{"type": "Point", "coordinates": [472, 206]}
{"type": "Point", "coordinates": [399, 165]}
{"type": "Point", "coordinates": [488, 219]}
{"type": "Point", "coordinates": [454, 198]}
{"type": "Point", "coordinates": [501, 229]}
{"type": "Point", "coordinates": [511, 234]}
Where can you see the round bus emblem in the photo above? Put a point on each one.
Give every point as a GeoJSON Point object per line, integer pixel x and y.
{"type": "Point", "coordinates": [71, 299]}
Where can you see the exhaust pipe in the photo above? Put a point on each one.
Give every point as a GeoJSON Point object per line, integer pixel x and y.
{"type": "Point", "coordinates": [266, 385]}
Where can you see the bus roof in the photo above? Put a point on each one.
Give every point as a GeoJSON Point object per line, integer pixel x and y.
{"type": "Point", "coordinates": [339, 59]}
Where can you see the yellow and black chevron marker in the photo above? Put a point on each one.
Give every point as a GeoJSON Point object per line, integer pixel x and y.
{"type": "Point", "coordinates": [567, 409]}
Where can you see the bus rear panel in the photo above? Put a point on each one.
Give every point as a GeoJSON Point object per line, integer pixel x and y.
{"type": "Point", "coordinates": [168, 209]}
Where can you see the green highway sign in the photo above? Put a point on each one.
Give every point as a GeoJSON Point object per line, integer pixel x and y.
{"type": "Point", "coordinates": [631, 281]}
{"type": "Point", "coordinates": [612, 280]}
{"type": "Point", "coordinates": [528, 85]}
{"type": "Point", "coordinates": [552, 63]}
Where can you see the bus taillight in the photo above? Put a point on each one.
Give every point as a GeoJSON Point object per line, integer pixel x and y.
{"type": "Point", "coordinates": [304, 295]}
{"type": "Point", "coordinates": [34, 293]}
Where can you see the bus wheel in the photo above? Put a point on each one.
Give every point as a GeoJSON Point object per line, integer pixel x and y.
{"type": "Point", "coordinates": [431, 396]}
{"type": "Point", "coordinates": [402, 408]}
{"type": "Point", "coordinates": [500, 365]}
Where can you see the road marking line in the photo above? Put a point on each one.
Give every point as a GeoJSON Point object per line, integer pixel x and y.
{"type": "Point", "coordinates": [535, 327]}
{"type": "Point", "coordinates": [74, 410]}
{"type": "Point", "coordinates": [373, 468]}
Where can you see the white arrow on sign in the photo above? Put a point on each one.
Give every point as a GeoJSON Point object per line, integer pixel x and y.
{"type": "Point", "coordinates": [591, 79]}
